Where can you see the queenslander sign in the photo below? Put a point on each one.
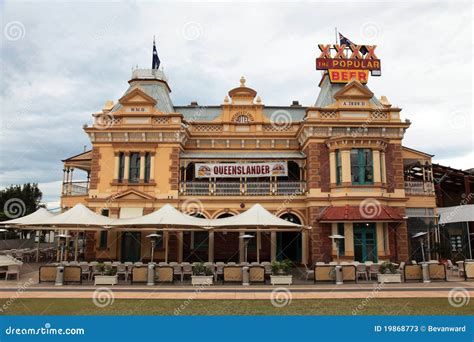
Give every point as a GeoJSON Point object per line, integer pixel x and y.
{"type": "Point", "coordinates": [227, 170]}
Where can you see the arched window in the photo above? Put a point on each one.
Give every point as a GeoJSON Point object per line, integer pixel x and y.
{"type": "Point", "coordinates": [242, 119]}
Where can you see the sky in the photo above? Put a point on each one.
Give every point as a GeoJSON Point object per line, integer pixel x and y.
{"type": "Point", "coordinates": [60, 61]}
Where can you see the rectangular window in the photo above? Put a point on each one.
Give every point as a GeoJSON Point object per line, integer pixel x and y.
{"type": "Point", "coordinates": [338, 168]}
{"type": "Point", "coordinates": [134, 168]}
{"type": "Point", "coordinates": [340, 231]}
{"type": "Point", "coordinates": [121, 167]}
{"type": "Point", "coordinates": [147, 167]}
{"type": "Point", "coordinates": [103, 237]}
{"type": "Point", "coordinates": [362, 166]}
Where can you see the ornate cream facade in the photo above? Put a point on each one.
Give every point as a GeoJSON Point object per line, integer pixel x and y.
{"type": "Point", "coordinates": [348, 172]}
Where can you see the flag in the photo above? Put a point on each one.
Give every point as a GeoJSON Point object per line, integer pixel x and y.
{"type": "Point", "coordinates": [155, 64]}
{"type": "Point", "coordinates": [348, 42]}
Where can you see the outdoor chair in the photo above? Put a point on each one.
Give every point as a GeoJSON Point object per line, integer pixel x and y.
{"type": "Point", "coordinates": [85, 271]}
{"type": "Point", "coordinates": [177, 271]}
{"type": "Point", "coordinates": [108, 263]}
{"type": "Point", "coordinates": [373, 269]}
{"type": "Point", "coordinates": [162, 263]}
{"type": "Point", "coordinates": [13, 270]}
{"type": "Point", "coordinates": [116, 263]}
{"type": "Point", "coordinates": [95, 271]}
{"type": "Point", "coordinates": [308, 272]}
{"type": "Point", "coordinates": [231, 263]}
{"type": "Point", "coordinates": [453, 268]}
{"type": "Point", "coordinates": [255, 263]}
{"type": "Point", "coordinates": [368, 263]}
{"type": "Point", "coordinates": [257, 274]}
{"type": "Point", "coordinates": [187, 270]}
{"type": "Point", "coordinates": [333, 263]}
{"type": "Point", "coordinates": [122, 270]}
{"type": "Point", "coordinates": [320, 263]}
{"type": "Point", "coordinates": [361, 269]}
{"type": "Point", "coordinates": [268, 267]}
{"type": "Point", "coordinates": [413, 262]}
{"type": "Point", "coordinates": [219, 269]}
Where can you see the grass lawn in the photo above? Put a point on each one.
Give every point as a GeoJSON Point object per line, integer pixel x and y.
{"type": "Point", "coordinates": [392, 306]}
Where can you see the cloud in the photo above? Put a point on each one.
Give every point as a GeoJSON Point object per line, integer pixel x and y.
{"type": "Point", "coordinates": [72, 57]}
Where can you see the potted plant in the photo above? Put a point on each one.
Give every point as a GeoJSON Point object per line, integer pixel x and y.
{"type": "Point", "coordinates": [202, 275]}
{"type": "Point", "coordinates": [281, 273]}
{"type": "Point", "coordinates": [388, 273]}
{"type": "Point", "coordinates": [108, 277]}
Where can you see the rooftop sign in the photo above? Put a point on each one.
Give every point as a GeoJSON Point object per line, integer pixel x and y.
{"type": "Point", "coordinates": [346, 63]}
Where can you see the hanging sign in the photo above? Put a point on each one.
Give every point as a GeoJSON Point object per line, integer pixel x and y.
{"type": "Point", "coordinates": [228, 170]}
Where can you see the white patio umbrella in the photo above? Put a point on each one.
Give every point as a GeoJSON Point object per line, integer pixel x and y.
{"type": "Point", "coordinates": [256, 216]}
{"type": "Point", "coordinates": [165, 217]}
{"type": "Point", "coordinates": [39, 215]}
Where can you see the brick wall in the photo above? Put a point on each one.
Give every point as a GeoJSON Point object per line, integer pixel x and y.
{"type": "Point", "coordinates": [319, 241]}
{"type": "Point", "coordinates": [174, 169]}
{"type": "Point", "coordinates": [317, 166]}
{"type": "Point", "coordinates": [95, 168]}
{"type": "Point", "coordinates": [394, 167]}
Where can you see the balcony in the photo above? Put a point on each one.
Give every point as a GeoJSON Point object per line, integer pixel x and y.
{"type": "Point", "coordinates": [75, 188]}
{"type": "Point", "coordinates": [419, 188]}
{"type": "Point", "coordinates": [282, 188]}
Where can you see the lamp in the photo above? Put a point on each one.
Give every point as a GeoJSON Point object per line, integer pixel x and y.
{"type": "Point", "coordinates": [62, 242]}
{"type": "Point", "coordinates": [421, 237]}
{"type": "Point", "coordinates": [246, 238]}
{"type": "Point", "coordinates": [337, 239]}
{"type": "Point", "coordinates": [153, 239]}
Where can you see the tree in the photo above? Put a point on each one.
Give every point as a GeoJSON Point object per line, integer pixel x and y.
{"type": "Point", "coordinates": [19, 200]}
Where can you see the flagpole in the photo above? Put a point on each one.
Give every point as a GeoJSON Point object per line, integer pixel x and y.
{"type": "Point", "coordinates": [335, 29]}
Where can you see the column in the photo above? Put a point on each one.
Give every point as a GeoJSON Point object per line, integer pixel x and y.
{"type": "Point", "coordinates": [333, 241]}
{"type": "Point", "coordinates": [210, 254]}
{"type": "Point", "coordinates": [166, 235]}
{"type": "Point", "coordinates": [116, 166]}
{"type": "Point", "coordinates": [273, 246]}
{"type": "Point", "coordinates": [142, 167]}
{"type": "Point", "coordinates": [380, 240]}
{"type": "Point", "coordinates": [241, 248]}
{"type": "Point", "coordinates": [348, 239]}
{"type": "Point", "coordinates": [152, 166]}
{"type": "Point", "coordinates": [383, 167]}
{"type": "Point", "coordinates": [126, 170]}
{"type": "Point", "coordinates": [376, 166]}
{"type": "Point", "coordinates": [346, 166]}
{"type": "Point", "coordinates": [180, 247]}
{"type": "Point", "coordinates": [304, 247]}
{"type": "Point", "coordinates": [332, 166]}
{"type": "Point", "coordinates": [259, 245]}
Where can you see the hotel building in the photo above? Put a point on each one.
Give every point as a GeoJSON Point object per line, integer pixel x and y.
{"type": "Point", "coordinates": [338, 165]}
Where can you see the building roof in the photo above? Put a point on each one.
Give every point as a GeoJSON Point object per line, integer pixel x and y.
{"type": "Point", "coordinates": [328, 90]}
{"type": "Point", "coordinates": [154, 84]}
{"type": "Point", "coordinates": [382, 213]}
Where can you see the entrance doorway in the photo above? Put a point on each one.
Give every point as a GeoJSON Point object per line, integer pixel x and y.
{"type": "Point", "coordinates": [289, 243]}
{"type": "Point", "coordinates": [131, 246]}
{"type": "Point", "coordinates": [365, 242]}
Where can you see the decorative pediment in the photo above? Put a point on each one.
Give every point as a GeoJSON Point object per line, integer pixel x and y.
{"type": "Point", "coordinates": [354, 90]}
{"type": "Point", "coordinates": [130, 194]}
{"type": "Point", "coordinates": [137, 97]}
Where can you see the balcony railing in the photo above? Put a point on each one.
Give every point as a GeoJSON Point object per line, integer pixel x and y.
{"type": "Point", "coordinates": [419, 188]}
{"type": "Point", "coordinates": [282, 188]}
{"type": "Point", "coordinates": [79, 188]}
